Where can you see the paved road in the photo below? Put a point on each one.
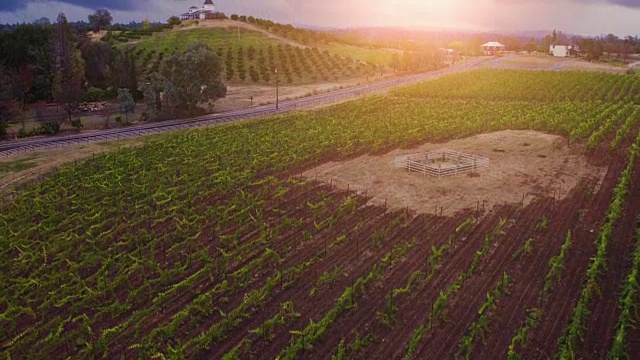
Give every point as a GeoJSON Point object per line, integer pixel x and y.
{"type": "Point", "coordinates": [10, 148]}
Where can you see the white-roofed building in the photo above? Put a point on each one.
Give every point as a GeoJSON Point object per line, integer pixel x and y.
{"type": "Point", "coordinates": [492, 48]}
{"type": "Point", "coordinates": [562, 50]}
{"type": "Point", "coordinates": [207, 10]}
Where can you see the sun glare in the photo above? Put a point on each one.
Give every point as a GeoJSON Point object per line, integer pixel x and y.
{"type": "Point", "coordinates": [421, 12]}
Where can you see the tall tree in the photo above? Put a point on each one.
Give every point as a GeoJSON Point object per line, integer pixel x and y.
{"type": "Point", "coordinates": [97, 56]}
{"type": "Point", "coordinates": [152, 90]}
{"type": "Point", "coordinates": [194, 77]}
{"type": "Point", "coordinates": [43, 21]}
{"type": "Point", "coordinates": [28, 47]}
{"type": "Point", "coordinates": [100, 20]}
{"type": "Point", "coordinates": [68, 67]}
{"type": "Point", "coordinates": [5, 102]}
{"type": "Point", "coordinates": [126, 102]}
{"type": "Point", "coordinates": [133, 79]}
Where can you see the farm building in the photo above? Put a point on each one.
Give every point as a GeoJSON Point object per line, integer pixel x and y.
{"type": "Point", "coordinates": [561, 50]}
{"type": "Point", "coordinates": [492, 48]}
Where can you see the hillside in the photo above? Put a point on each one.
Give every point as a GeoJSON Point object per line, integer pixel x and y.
{"type": "Point", "coordinates": [250, 54]}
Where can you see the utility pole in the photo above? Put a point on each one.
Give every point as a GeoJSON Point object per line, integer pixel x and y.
{"type": "Point", "coordinates": [277, 90]}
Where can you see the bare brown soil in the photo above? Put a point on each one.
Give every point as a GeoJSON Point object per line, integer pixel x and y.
{"type": "Point", "coordinates": [239, 96]}
{"type": "Point", "coordinates": [605, 313]}
{"type": "Point", "coordinates": [522, 163]}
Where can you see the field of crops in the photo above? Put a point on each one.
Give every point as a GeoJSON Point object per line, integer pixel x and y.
{"type": "Point", "coordinates": [493, 84]}
{"type": "Point", "coordinates": [251, 57]}
{"type": "Point", "coordinates": [208, 243]}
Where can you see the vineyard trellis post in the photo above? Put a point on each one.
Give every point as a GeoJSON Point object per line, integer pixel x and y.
{"type": "Point", "coordinates": [277, 90]}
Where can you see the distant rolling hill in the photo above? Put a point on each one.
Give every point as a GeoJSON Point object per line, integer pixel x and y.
{"type": "Point", "coordinates": [251, 54]}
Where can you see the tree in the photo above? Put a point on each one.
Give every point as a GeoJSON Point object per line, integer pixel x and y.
{"type": "Point", "coordinates": [194, 77]}
{"type": "Point", "coordinates": [43, 21]}
{"type": "Point", "coordinates": [100, 20]}
{"type": "Point", "coordinates": [27, 49]}
{"type": "Point", "coordinates": [234, 17]}
{"type": "Point", "coordinates": [152, 90]}
{"type": "Point", "coordinates": [68, 67]}
{"type": "Point", "coordinates": [133, 79]}
{"type": "Point", "coordinates": [592, 48]}
{"type": "Point", "coordinates": [5, 102]}
{"type": "Point", "coordinates": [98, 60]}
{"type": "Point", "coordinates": [395, 62]}
{"type": "Point", "coordinates": [174, 21]}
{"type": "Point", "coordinates": [125, 100]}
{"type": "Point", "coordinates": [146, 24]}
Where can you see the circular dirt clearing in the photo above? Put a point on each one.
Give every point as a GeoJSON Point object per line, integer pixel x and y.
{"type": "Point", "coordinates": [525, 163]}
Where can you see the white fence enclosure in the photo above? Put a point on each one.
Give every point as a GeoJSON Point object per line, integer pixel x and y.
{"type": "Point", "coordinates": [441, 162]}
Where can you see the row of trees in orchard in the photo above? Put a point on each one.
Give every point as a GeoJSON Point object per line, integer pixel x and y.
{"type": "Point", "coordinates": [417, 58]}
{"type": "Point", "coordinates": [288, 31]}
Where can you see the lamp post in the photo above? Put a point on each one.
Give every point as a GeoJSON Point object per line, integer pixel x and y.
{"type": "Point", "coordinates": [277, 90]}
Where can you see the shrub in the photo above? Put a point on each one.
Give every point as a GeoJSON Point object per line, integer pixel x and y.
{"type": "Point", "coordinates": [253, 73]}
{"type": "Point", "coordinates": [23, 133]}
{"type": "Point", "coordinates": [77, 123]}
{"type": "Point", "coordinates": [174, 20]}
{"type": "Point", "coordinates": [107, 37]}
{"type": "Point", "coordinates": [50, 128]}
{"type": "Point", "coordinates": [119, 119]}
{"type": "Point", "coordinates": [3, 129]}
{"type": "Point", "coordinates": [144, 116]}
{"type": "Point", "coordinates": [94, 94]}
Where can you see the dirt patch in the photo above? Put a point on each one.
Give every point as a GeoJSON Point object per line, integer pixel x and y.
{"type": "Point", "coordinates": [239, 96]}
{"type": "Point", "coordinates": [546, 166]}
{"type": "Point", "coordinates": [580, 64]}
{"type": "Point", "coordinates": [531, 61]}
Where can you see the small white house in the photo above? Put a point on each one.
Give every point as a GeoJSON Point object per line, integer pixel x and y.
{"type": "Point", "coordinates": [560, 50]}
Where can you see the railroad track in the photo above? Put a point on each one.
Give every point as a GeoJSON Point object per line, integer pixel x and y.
{"type": "Point", "coordinates": [11, 148]}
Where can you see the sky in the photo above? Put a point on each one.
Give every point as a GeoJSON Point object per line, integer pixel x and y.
{"type": "Point", "coordinates": [585, 17]}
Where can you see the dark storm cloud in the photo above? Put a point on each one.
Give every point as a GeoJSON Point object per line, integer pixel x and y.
{"type": "Point", "coordinates": [13, 5]}
{"type": "Point", "coordinates": [627, 3]}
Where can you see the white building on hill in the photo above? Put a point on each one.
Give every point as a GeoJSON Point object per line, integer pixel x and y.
{"type": "Point", "coordinates": [207, 10]}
